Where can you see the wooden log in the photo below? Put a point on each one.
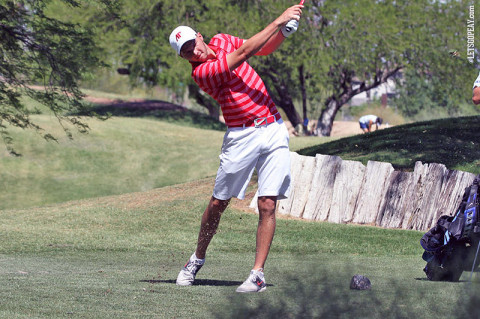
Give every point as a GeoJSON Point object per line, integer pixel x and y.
{"type": "Point", "coordinates": [321, 192]}
{"type": "Point", "coordinates": [254, 203]}
{"type": "Point", "coordinates": [302, 186]}
{"type": "Point", "coordinates": [451, 193]}
{"type": "Point", "coordinates": [348, 183]}
{"type": "Point", "coordinates": [392, 209]}
{"type": "Point", "coordinates": [372, 191]}
{"type": "Point", "coordinates": [296, 185]}
{"type": "Point", "coordinates": [425, 211]}
{"type": "Point", "coordinates": [414, 195]}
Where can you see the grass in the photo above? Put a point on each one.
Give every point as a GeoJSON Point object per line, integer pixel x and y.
{"type": "Point", "coordinates": [118, 156]}
{"type": "Point", "coordinates": [118, 256]}
{"type": "Point", "coordinates": [453, 142]}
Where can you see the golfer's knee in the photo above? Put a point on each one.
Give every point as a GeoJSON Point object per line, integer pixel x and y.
{"type": "Point", "coordinates": [267, 205]}
{"type": "Point", "coordinates": [219, 204]}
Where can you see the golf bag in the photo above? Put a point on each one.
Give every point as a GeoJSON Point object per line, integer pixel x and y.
{"type": "Point", "coordinates": [451, 246]}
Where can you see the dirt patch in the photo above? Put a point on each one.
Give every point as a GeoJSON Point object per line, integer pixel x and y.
{"type": "Point", "coordinates": [339, 129]}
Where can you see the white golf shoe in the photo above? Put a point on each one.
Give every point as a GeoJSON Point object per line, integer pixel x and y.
{"type": "Point", "coordinates": [189, 271]}
{"type": "Point", "coordinates": [254, 283]}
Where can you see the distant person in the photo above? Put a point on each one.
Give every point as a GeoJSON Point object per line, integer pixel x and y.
{"type": "Point", "coordinates": [476, 90]}
{"type": "Point", "coordinates": [256, 137]}
{"type": "Point", "coordinates": [367, 121]}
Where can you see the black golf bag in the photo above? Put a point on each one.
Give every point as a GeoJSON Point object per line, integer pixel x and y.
{"type": "Point", "coordinates": [451, 246]}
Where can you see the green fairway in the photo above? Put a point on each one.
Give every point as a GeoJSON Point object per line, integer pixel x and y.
{"type": "Point", "coordinates": [119, 257]}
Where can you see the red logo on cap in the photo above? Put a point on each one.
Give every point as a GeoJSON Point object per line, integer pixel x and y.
{"type": "Point", "coordinates": [178, 36]}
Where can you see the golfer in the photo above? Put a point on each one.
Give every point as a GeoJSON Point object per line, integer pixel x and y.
{"type": "Point", "coordinates": [256, 137]}
{"type": "Point", "coordinates": [476, 90]}
{"type": "Point", "coordinates": [367, 121]}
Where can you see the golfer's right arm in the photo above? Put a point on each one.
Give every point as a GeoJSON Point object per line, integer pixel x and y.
{"type": "Point", "coordinates": [255, 43]}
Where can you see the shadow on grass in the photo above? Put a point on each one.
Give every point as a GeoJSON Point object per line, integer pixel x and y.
{"type": "Point", "coordinates": [159, 110]}
{"type": "Point", "coordinates": [449, 282]}
{"type": "Point", "coordinates": [201, 282]}
{"type": "Point", "coordinates": [453, 142]}
{"type": "Point", "coordinates": [326, 294]}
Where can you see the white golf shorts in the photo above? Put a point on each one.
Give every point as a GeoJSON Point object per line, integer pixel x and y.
{"type": "Point", "coordinates": [263, 148]}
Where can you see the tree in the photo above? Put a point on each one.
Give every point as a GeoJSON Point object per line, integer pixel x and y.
{"type": "Point", "coordinates": [370, 41]}
{"type": "Point", "coordinates": [339, 44]}
{"type": "Point", "coordinates": [140, 38]}
{"type": "Point", "coordinates": [39, 49]}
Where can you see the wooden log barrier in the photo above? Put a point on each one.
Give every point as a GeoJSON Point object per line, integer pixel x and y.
{"type": "Point", "coordinates": [327, 188]}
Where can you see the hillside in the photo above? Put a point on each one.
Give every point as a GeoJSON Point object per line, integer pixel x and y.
{"type": "Point", "coordinates": [453, 142]}
{"type": "Point", "coordinates": [117, 156]}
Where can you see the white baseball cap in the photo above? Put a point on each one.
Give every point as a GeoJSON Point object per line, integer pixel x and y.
{"type": "Point", "coordinates": [180, 35]}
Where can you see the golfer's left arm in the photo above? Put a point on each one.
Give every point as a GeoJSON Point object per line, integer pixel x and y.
{"type": "Point", "coordinates": [272, 44]}
{"type": "Point", "coordinates": [275, 41]}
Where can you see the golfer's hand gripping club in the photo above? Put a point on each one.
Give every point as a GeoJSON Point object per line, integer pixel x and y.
{"type": "Point", "coordinates": [291, 27]}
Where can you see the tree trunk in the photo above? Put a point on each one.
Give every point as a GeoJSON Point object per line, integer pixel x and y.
{"type": "Point", "coordinates": [283, 99]}
{"type": "Point", "coordinates": [301, 76]}
{"type": "Point", "coordinates": [304, 91]}
{"type": "Point", "coordinates": [325, 121]}
{"type": "Point", "coordinates": [334, 103]}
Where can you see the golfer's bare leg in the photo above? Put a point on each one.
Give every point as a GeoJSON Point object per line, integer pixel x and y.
{"type": "Point", "coordinates": [208, 228]}
{"type": "Point", "coordinates": [265, 230]}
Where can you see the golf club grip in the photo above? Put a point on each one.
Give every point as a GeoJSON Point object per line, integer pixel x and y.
{"type": "Point", "coordinates": [288, 28]}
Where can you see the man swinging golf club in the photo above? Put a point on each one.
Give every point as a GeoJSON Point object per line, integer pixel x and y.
{"type": "Point", "coordinates": [256, 137]}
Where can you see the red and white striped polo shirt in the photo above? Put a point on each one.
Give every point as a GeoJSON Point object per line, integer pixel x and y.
{"type": "Point", "coordinates": [241, 93]}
